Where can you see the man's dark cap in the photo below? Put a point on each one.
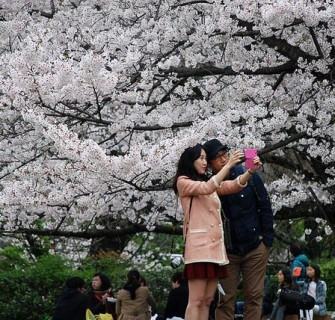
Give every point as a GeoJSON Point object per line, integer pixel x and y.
{"type": "Point", "coordinates": [213, 147]}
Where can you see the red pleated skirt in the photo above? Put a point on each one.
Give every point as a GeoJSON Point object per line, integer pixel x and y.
{"type": "Point", "coordinates": [205, 270]}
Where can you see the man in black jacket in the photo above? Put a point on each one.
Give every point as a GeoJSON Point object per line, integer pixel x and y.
{"type": "Point", "coordinates": [72, 303]}
{"type": "Point", "coordinates": [251, 233]}
{"type": "Point", "coordinates": [178, 297]}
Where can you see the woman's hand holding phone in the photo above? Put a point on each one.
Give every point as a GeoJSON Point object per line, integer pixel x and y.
{"type": "Point", "coordinates": [252, 161]}
{"type": "Point", "coordinates": [257, 164]}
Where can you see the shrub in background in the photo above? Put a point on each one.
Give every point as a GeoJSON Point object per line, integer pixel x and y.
{"type": "Point", "coordinates": [29, 289]}
{"type": "Point", "coordinates": [328, 275]}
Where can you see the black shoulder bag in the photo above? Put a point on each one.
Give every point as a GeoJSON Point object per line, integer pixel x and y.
{"type": "Point", "coordinates": [226, 231]}
{"type": "Point", "coordinates": [289, 297]}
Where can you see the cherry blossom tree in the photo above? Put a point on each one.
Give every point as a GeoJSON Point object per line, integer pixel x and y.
{"type": "Point", "coordinates": [98, 99]}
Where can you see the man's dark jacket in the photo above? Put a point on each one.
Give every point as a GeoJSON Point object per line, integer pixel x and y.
{"type": "Point", "coordinates": [177, 302]}
{"type": "Point", "coordinates": [249, 213]}
{"type": "Point", "coordinates": [71, 305]}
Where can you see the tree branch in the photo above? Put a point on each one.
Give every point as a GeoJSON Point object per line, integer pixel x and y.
{"type": "Point", "coordinates": [49, 15]}
{"type": "Point", "coordinates": [157, 127]}
{"type": "Point", "coordinates": [299, 211]}
{"type": "Point", "coordinates": [316, 43]}
{"type": "Point", "coordinates": [190, 3]}
{"type": "Point", "coordinates": [167, 95]}
{"type": "Point", "coordinates": [283, 143]}
{"type": "Point", "coordinates": [22, 165]}
{"type": "Point", "coordinates": [210, 70]}
{"type": "Point", "coordinates": [92, 234]}
{"type": "Point", "coordinates": [286, 49]}
{"type": "Point", "coordinates": [322, 209]}
{"type": "Point", "coordinates": [302, 210]}
{"type": "Point", "coordinates": [107, 122]}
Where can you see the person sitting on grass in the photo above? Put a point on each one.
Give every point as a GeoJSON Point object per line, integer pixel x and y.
{"type": "Point", "coordinates": [73, 302]}
{"type": "Point", "coordinates": [316, 288]}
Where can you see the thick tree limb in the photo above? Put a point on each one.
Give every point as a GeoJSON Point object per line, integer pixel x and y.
{"type": "Point", "coordinates": [303, 210]}
{"type": "Point", "coordinates": [190, 3]}
{"type": "Point", "coordinates": [50, 14]}
{"type": "Point", "coordinates": [287, 50]}
{"type": "Point", "coordinates": [300, 211]}
{"type": "Point", "coordinates": [91, 234]}
{"type": "Point", "coordinates": [283, 143]}
{"type": "Point", "coordinates": [157, 127]}
{"type": "Point", "coordinates": [210, 70]}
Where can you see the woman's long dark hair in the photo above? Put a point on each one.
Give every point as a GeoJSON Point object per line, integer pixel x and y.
{"type": "Point", "coordinates": [185, 165]}
{"type": "Point", "coordinates": [287, 278]}
{"type": "Point", "coordinates": [133, 283]}
{"type": "Point", "coordinates": [317, 272]}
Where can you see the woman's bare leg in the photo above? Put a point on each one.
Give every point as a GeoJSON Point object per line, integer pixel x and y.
{"type": "Point", "coordinates": [208, 298]}
{"type": "Point", "coordinates": [196, 296]}
{"type": "Point", "coordinates": [201, 293]}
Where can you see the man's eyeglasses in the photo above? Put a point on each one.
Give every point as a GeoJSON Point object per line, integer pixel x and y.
{"type": "Point", "coordinates": [221, 154]}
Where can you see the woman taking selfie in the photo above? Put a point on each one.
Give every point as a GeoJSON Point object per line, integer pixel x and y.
{"type": "Point", "coordinates": [205, 254]}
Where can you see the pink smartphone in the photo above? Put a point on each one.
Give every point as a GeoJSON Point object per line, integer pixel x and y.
{"type": "Point", "coordinates": [249, 155]}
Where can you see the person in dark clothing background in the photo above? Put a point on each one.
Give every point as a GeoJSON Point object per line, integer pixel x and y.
{"type": "Point", "coordinates": [283, 311]}
{"type": "Point", "coordinates": [250, 218]}
{"type": "Point", "coordinates": [178, 297]}
{"type": "Point", "coordinates": [99, 294]}
{"type": "Point", "coordinates": [268, 298]}
{"type": "Point", "coordinates": [72, 303]}
{"type": "Point", "coordinates": [299, 263]}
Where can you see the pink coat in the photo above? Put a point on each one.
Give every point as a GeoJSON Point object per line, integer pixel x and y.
{"type": "Point", "coordinates": [202, 229]}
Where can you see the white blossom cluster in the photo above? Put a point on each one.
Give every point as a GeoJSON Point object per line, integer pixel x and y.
{"type": "Point", "coordinates": [99, 98]}
{"type": "Point", "coordinates": [147, 257]}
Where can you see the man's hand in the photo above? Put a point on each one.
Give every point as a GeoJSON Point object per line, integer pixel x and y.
{"type": "Point", "coordinates": [234, 158]}
{"type": "Point", "coordinates": [258, 164]}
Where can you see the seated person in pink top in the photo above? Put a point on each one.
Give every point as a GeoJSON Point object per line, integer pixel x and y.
{"type": "Point", "coordinates": [205, 254]}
